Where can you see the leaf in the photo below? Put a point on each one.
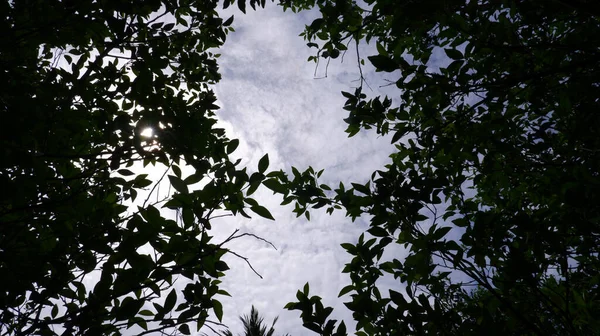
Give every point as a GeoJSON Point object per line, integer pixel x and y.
{"type": "Point", "coordinates": [242, 5]}
{"type": "Point", "coordinates": [178, 184]}
{"type": "Point", "coordinates": [141, 182]}
{"type": "Point", "coordinates": [227, 23]}
{"type": "Point", "coordinates": [346, 290]}
{"type": "Point", "coordinates": [274, 185]}
{"type": "Point", "coordinates": [381, 50]}
{"type": "Point", "coordinates": [262, 211]}
{"type": "Point", "coordinates": [341, 330]}
{"type": "Point", "coordinates": [397, 135]}
{"type": "Point", "coordinates": [263, 163]}
{"type": "Point", "coordinates": [146, 312]}
{"type": "Point", "coordinates": [362, 188]}
{"type": "Point", "coordinates": [397, 298]}
{"type": "Point", "coordinates": [441, 232]}
{"type": "Point", "coordinates": [232, 145]}
{"type": "Point", "coordinates": [383, 63]}
{"type": "Point", "coordinates": [185, 329]}
{"type": "Point", "coordinates": [348, 95]}
{"type": "Point", "coordinates": [377, 231]}
{"type": "Point", "coordinates": [252, 188]}
{"type": "Point", "coordinates": [313, 327]}
{"type": "Point", "coordinates": [454, 54]}
{"type": "Point", "coordinates": [176, 170]}
{"type": "Point", "coordinates": [316, 24]}
{"type": "Point", "coordinates": [125, 172]}
{"type": "Point", "coordinates": [348, 247]}
{"type": "Point", "coordinates": [170, 301]}
{"type": "Point", "coordinates": [218, 309]}
{"type": "Point", "coordinates": [223, 292]}
{"type": "Point", "coordinates": [193, 179]}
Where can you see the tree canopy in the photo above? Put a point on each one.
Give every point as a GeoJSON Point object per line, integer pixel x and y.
{"type": "Point", "coordinates": [493, 188]}
{"type": "Point", "coordinates": [494, 185]}
{"type": "Point", "coordinates": [93, 91]}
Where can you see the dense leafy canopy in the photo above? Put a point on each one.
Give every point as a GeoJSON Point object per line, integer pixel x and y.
{"type": "Point", "coordinates": [92, 88]}
{"type": "Point", "coordinates": [494, 187]}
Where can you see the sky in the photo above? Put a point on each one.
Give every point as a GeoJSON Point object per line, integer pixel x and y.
{"type": "Point", "coordinates": [271, 101]}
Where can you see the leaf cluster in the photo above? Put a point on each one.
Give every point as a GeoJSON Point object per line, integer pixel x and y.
{"type": "Point", "coordinates": [85, 82]}
{"type": "Point", "coordinates": [493, 186]}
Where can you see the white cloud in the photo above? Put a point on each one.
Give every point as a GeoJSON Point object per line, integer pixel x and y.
{"type": "Point", "coordinates": [271, 101]}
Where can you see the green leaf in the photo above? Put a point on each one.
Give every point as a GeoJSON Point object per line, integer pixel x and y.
{"type": "Point", "coordinates": [227, 23]}
{"type": "Point", "coordinates": [316, 24]}
{"type": "Point", "coordinates": [193, 179]}
{"type": "Point", "coordinates": [252, 188]}
{"type": "Point", "coordinates": [313, 327]}
{"type": "Point", "coordinates": [341, 330]}
{"type": "Point", "coordinates": [346, 290]}
{"type": "Point", "coordinates": [146, 312]}
{"type": "Point", "coordinates": [454, 54]}
{"type": "Point", "coordinates": [242, 5]}
{"type": "Point", "coordinates": [141, 182]}
{"type": "Point", "coordinates": [348, 247]}
{"type": "Point", "coordinates": [441, 232]}
{"type": "Point", "coordinates": [185, 329]}
{"type": "Point", "coordinates": [176, 170]}
{"type": "Point", "coordinates": [274, 185]}
{"type": "Point", "coordinates": [223, 292]}
{"type": "Point", "coordinates": [233, 144]}
{"type": "Point", "coordinates": [377, 231]}
{"type": "Point", "coordinates": [263, 163]}
{"type": "Point", "coordinates": [178, 184]}
{"type": "Point", "coordinates": [262, 211]}
{"type": "Point", "coordinates": [170, 301]}
{"type": "Point", "coordinates": [125, 172]}
{"type": "Point", "coordinates": [362, 188]}
{"type": "Point", "coordinates": [383, 63]}
{"type": "Point", "coordinates": [218, 309]}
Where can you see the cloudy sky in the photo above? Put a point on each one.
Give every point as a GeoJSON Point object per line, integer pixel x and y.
{"type": "Point", "coordinates": [272, 102]}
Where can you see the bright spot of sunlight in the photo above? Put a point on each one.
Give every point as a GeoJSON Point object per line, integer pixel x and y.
{"type": "Point", "coordinates": [147, 133]}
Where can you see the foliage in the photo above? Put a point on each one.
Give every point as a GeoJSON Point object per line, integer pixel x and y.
{"type": "Point", "coordinates": [83, 82]}
{"type": "Point", "coordinates": [494, 182]}
{"type": "Point", "coordinates": [253, 325]}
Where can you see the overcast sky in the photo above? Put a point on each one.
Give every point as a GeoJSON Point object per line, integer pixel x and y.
{"type": "Point", "coordinates": [272, 102]}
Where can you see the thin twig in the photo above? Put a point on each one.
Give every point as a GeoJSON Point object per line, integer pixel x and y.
{"type": "Point", "coordinates": [362, 77]}
{"type": "Point", "coordinates": [255, 236]}
{"type": "Point", "coordinates": [247, 262]}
